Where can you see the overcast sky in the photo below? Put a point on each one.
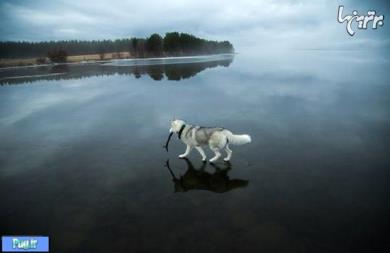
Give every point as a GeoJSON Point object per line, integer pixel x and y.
{"type": "Point", "coordinates": [306, 24]}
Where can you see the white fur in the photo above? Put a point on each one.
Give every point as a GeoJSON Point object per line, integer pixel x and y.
{"type": "Point", "coordinates": [217, 141]}
{"type": "Point", "coordinates": [237, 139]}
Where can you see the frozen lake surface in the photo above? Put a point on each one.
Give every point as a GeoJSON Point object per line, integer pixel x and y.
{"type": "Point", "coordinates": [81, 156]}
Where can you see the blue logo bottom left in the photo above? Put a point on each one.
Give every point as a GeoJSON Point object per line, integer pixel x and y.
{"type": "Point", "coordinates": [25, 243]}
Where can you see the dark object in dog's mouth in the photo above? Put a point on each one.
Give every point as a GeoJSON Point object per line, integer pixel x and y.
{"type": "Point", "coordinates": [167, 143]}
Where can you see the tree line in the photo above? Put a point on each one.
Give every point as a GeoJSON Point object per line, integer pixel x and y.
{"type": "Point", "coordinates": [172, 44]}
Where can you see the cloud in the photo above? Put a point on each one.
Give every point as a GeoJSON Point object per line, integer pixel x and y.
{"type": "Point", "coordinates": [247, 23]}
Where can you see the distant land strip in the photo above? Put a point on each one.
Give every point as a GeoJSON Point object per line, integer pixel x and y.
{"type": "Point", "coordinates": [21, 53]}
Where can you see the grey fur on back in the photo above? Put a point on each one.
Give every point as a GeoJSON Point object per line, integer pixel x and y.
{"type": "Point", "coordinates": [202, 134]}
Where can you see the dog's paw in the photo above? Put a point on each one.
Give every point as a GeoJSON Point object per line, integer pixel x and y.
{"type": "Point", "coordinates": [182, 156]}
{"type": "Point", "coordinates": [213, 160]}
{"type": "Point", "coordinates": [226, 159]}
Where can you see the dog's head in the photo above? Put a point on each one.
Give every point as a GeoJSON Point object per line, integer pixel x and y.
{"type": "Point", "coordinates": [176, 124]}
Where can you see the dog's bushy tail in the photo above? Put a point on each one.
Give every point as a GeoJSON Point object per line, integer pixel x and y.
{"type": "Point", "coordinates": [237, 139]}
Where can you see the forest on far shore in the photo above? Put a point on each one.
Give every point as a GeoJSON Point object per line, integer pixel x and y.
{"type": "Point", "coordinates": [172, 44]}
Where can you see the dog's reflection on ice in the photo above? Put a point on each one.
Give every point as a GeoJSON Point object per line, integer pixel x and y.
{"type": "Point", "coordinates": [199, 179]}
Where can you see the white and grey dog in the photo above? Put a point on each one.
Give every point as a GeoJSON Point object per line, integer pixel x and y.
{"type": "Point", "coordinates": [216, 138]}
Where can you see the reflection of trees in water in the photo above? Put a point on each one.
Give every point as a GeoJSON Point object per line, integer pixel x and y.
{"type": "Point", "coordinates": [174, 72]}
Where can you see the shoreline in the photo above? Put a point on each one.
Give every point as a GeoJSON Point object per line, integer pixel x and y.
{"type": "Point", "coordinates": [170, 68]}
{"type": "Point", "coordinates": [6, 63]}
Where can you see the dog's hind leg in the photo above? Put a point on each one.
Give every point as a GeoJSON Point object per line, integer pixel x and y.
{"type": "Point", "coordinates": [187, 152]}
{"type": "Point", "coordinates": [217, 154]}
{"type": "Point", "coordinates": [229, 153]}
{"type": "Point", "coordinates": [201, 152]}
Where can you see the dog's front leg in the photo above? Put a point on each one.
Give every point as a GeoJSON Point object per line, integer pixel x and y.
{"type": "Point", "coordinates": [188, 150]}
{"type": "Point", "coordinates": [201, 152]}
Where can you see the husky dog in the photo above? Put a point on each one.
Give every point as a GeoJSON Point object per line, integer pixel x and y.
{"type": "Point", "coordinates": [216, 138]}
